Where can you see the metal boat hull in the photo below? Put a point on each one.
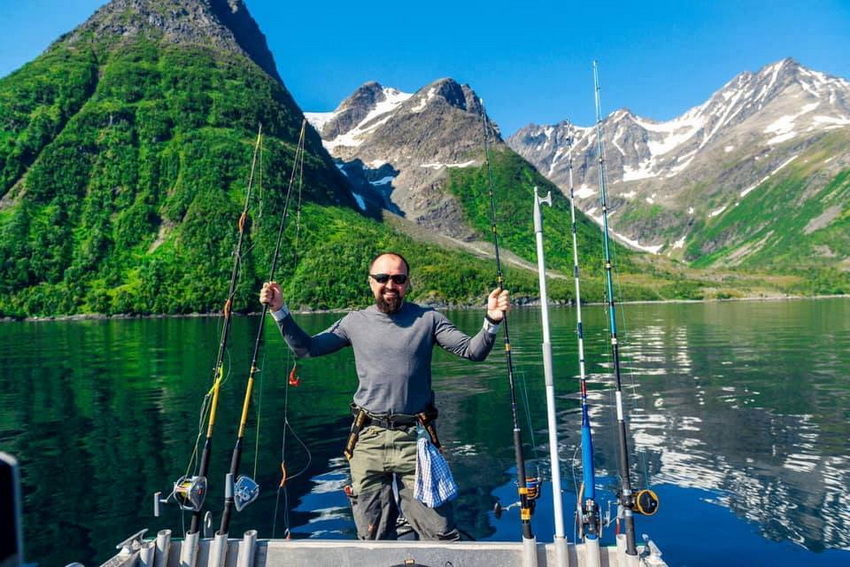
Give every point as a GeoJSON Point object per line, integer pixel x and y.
{"type": "Point", "coordinates": [250, 552]}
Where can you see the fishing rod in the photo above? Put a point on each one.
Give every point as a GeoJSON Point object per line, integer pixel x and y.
{"type": "Point", "coordinates": [645, 502]}
{"type": "Point", "coordinates": [527, 494]}
{"type": "Point", "coordinates": [561, 559]}
{"type": "Point", "coordinates": [586, 506]}
{"type": "Point", "coordinates": [245, 490]}
{"type": "Point", "coordinates": [191, 492]}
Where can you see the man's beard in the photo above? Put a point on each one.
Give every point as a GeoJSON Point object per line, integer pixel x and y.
{"type": "Point", "coordinates": [389, 305]}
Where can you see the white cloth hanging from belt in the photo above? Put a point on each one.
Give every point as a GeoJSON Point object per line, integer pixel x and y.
{"type": "Point", "coordinates": [434, 483]}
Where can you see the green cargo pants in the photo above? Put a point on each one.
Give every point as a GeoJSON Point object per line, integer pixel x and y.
{"type": "Point", "coordinates": [379, 455]}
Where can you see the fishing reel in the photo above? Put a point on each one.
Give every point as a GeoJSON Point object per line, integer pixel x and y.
{"type": "Point", "coordinates": [188, 492]}
{"type": "Point", "coordinates": [646, 502]}
{"type": "Point", "coordinates": [643, 502]}
{"type": "Point", "coordinates": [532, 493]}
{"type": "Point", "coordinates": [588, 518]}
{"type": "Point", "coordinates": [244, 491]}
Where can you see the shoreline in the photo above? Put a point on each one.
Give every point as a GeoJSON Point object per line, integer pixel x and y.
{"type": "Point", "coordinates": [518, 305]}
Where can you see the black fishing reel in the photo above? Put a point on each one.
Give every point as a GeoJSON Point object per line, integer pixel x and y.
{"type": "Point", "coordinates": [646, 502]}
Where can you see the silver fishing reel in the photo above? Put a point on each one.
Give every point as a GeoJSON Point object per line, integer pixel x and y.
{"type": "Point", "coordinates": [188, 492]}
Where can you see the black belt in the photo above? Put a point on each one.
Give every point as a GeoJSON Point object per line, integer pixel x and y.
{"type": "Point", "coordinates": [388, 421]}
{"type": "Point", "coordinates": [364, 418]}
{"type": "Point", "coordinates": [392, 422]}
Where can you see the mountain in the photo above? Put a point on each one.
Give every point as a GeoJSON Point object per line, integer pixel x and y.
{"type": "Point", "coordinates": [755, 177]}
{"type": "Point", "coordinates": [403, 146]}
{"type": "Point", "coordinates": [125, 155]}
{"type": "Point", "coordinates": [422, 157]}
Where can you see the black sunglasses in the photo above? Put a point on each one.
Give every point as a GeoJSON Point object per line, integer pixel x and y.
{"type": "Point", "coordinates": [398, 279]}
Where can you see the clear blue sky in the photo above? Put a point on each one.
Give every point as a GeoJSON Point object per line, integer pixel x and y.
{"type": "Point", "coordinates": [530, 61]}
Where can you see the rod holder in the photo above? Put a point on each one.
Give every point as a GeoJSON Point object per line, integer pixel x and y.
{"type": "Point", "coordinates": [218, 551]}
{"type": "Point", "coordinates": [163, 546]}
{"type": "Point", "coordinates": [247, 549]}
{"type": "Point", "coordinates": [147, 554]}
{"type": "Point", "coordinates": [189, 550]}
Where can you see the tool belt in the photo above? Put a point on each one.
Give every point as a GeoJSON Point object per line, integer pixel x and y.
{"type": "Point", "coordinates": [363, 418]}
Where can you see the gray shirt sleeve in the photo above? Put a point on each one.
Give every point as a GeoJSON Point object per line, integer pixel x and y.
{"type": "Point", "coordinates": [450, 338]}
{"type": "Point", "coordinates": [304, 346]}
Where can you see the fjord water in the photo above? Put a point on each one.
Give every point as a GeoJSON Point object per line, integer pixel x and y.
{"type": "Point", "coordinates": [739, 421]}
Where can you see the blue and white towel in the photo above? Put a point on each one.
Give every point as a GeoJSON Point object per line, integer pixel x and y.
{"type": "Point", "coordinates": [434, 482]}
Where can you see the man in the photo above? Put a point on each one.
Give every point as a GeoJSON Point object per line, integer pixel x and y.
{"type": "Point", "coordinates": [393, 343]}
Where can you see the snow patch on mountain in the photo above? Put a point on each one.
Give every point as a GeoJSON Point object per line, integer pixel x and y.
{"type": "Point", "coordinates": [423, 102]}
{"type": "Point", "coordinates": [782, 128]}
{"type": "Point", "coordinates": [318, 119]}
{"type": "Point", "coordinates": [585, 191]}
{"type": "Point", "coordinates": [449, 165]}
{"type": "Point", "coordinates": [642, 171]}
{"type": "Point", "coordinates": [716, 212]}
{"type": "Point", "coordinates": [831, 122]}
{"type": "Point", "coordinates": [632, 243]}
{"type": "Point", "coordinates": [673, 133]}
{"type": "Point", "coordinates": [749, 189]}
{"type": "Point", "coordinates": [382, 112]}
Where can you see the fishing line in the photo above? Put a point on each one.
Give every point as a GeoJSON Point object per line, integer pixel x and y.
{"type": "Point", "coordinates": [286, 477]}
{"type": "Point", "coordinates": [262, 365]}
{"type": "Point", "coordinates": [246, 496]}
{"type": "Point", "coordinates": [527, 409]}
{"type": "Point", "coordinates": [259, 418]}
{"type": "Point", "coordinates": [635, 405]}
{"type": "Point", "coordinates": [634, 400]}
{"type": "Point", "coordinates": [577, 489]}
{"type": "Point", "coordinates": [292, 381]}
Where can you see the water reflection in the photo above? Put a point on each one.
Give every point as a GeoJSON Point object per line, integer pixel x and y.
{"type": "Point", "coordinates": [741, 407]}
{"type": "Point", "coordinates": [732, 403]}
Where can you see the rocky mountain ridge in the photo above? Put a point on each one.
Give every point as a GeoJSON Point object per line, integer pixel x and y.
{"type": "Point", "coordinates": [397, 148]}
{"type": "Point", "coordinates": [668, 181]}
{"type": "Point", "coordinates": [223, 24]}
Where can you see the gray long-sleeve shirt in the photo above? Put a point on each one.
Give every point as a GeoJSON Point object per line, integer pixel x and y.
{"type": "Point", "coordinates": [392, 352]}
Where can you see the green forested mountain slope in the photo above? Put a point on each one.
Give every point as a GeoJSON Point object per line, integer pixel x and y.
{"type": "Point", "coordinates": [796, 219]}
{"type": "Point", "coordinates": [118, 167]}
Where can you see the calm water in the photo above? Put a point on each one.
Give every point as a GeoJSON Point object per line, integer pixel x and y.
{"type": "Point", "coordinates": [740, 420]}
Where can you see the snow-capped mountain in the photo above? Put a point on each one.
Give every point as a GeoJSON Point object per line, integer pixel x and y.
{"type": "Point", "coordinates": [669, 181]}
{"type": "Point", "coordinates": [396, 148]}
